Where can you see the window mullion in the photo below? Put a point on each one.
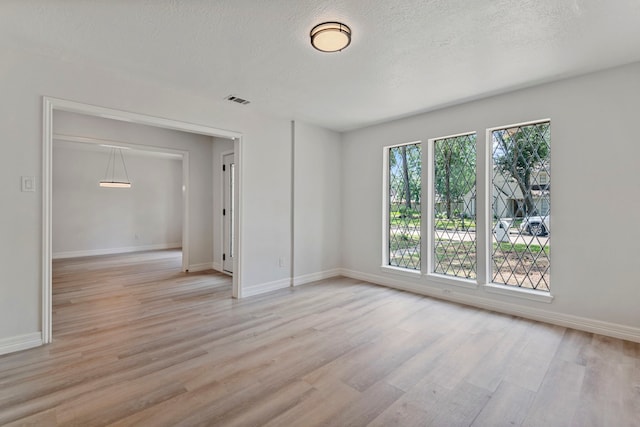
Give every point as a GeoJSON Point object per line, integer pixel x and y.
{"type": "Point", "coordinates": [483, 204]}
{"type": "Point", "coordinates": [427, 209]}
{"type": "Point", "coordinates": [385, 208]}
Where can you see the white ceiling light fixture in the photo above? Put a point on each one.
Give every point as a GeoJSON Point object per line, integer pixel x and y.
{"type": "Point", "coordinates": [330, 36]}
{"type": "Point", "coordinates": [111, 166]}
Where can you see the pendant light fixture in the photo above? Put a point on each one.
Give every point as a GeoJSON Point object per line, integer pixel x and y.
{"type": "Point", "coordinates": [109, 180]}
{"type": "Point", "coordinates": [330, 36]}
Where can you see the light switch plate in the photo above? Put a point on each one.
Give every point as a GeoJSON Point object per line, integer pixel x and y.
{"type": "Point", "coordinates": [28, 183]}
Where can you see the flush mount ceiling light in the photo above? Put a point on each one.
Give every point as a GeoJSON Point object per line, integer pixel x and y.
{"type": "Point", "coordinates": [111, 166]}
{"type": "Point", "coordinates": [330, 36]}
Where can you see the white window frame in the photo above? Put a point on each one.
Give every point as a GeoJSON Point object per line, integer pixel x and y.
{"type": "Point", "coordinates": [484, 185]}
{"type": "Point", "coordinates": [483, 208]}
{"type": "Point", "coordinates": [428, 178]}
{"type": "Point", "coordinates": [385, 216]}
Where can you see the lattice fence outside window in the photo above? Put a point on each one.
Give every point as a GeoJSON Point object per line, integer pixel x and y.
{"type": "Point", "coordinates": [521, 206]}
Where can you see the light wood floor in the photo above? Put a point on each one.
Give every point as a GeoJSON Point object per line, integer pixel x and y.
{"type": "Point", "coordinates": [137, 343]}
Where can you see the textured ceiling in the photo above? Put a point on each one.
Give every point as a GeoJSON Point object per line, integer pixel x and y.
{"type": "Point", "coordinates": [406, 56]}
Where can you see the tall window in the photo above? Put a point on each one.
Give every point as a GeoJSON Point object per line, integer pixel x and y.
{"type": "Point", "coordinates": [521, 185]}
{"type": "Point", "coordinates": [404, 206]}
{"type": "Point", "coordinates": [454, 214]}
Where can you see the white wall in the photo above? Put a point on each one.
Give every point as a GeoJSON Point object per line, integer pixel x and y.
{"type": "Point", "coordinates": [317, 203]}
{"type": "Point", "coordinates": [90, 220]}
{"type": "Point", "coordinates": [25, 78]}
{"type": "Point", "coordinates": [595, 200]}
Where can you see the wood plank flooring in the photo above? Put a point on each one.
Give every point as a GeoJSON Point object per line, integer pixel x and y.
{"type": "Point", "coordinates": [138, 343]}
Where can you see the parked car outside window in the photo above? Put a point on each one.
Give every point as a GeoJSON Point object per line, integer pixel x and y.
{"type": "Point", "coordinates": [535, 225]}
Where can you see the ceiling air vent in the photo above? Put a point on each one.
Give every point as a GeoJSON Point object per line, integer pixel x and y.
{"type": "Point", "coordinates": [237, 99]}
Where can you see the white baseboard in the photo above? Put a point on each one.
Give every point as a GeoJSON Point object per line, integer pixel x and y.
{"type": "Point", "coordinates": [111, 251]}
{"type": "Point", "coordinates": [314, 277]}
{"type": "Point", "coordinates": [567, 320]}
{"type": "Point", "coordinates": [217, 266]}
{"type": "Point", "coordinates": [193, 268]}
{"type": "Point", "coordinates": [21, 342]}
{"type": "Point", "coordinates": [265, 287]}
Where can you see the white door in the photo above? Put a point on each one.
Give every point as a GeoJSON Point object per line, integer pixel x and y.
{"type": "Point", "coordinates": [228, 182]}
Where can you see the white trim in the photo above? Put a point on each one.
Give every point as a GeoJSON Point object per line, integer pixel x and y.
{"type": "Point", "coordinates": [185, 210]}
{"type": "Point", "coordinates": [418, 141]}
{"type": "Point", "coordinates": [216, 206]}
{"type": "Point", "coordinates": [389, 282]}
{"type": "Point", "coordinates": [428, 211]}
{"type": "Point", "coordinates": [520, 124]}
{"type": "Point", "coordinates": [238, 213]}
{"type": "Point", "coordinates": [50, 104]}
{"type": "Point", "coordinates": [143, 119]}
{"type": "Point", "coordinates": [427, 235]}
{"type": "Point", "coordinates": [530, 294]}
{"type": "Point", "coordinates": [484, 207]}
{"type": "Point", "coordinates": [199, 267]}
{"type": "Point", "coordinates": [485, 240]}
{"type": "Point", "coordinates": [266, 287]}
{"type": "Point", "coordinates": [20, 342]}
{"type": "Point", "coordinates": [385, 198]}
{"type": "Point", "coordinates": [292, 206]}
{"type": "Point", "coordinates": [47, 164]}
{"type": "Point", "coordinates": [385, 206]}
{"type": "Point", "coordinates": [407, 272]}
{"type": "Point", "coordinates": [455, 135]}
{"type": "Point", "coordinates": [443, 279]}
{"type": "Point", "coordinates": [567, 320]}
{"type": "Point", "coordinates": [119, 144]}
{"type": "Point", "coordinates": [314, 277]}
{"type": "Point", "coordinates": [218, 267]}
{"type": "Point", "coordinates": [110, 251]}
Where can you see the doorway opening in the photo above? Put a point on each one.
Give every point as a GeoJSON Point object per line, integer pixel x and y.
{"type": "Point", "coordinates": [53, 104]}
{"type": "Point", "coordinates": [89, 220]}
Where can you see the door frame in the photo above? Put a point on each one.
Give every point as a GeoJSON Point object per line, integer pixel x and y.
{"type": "Point", "coordinates": [49, 105]}
{"type": "Point", "coordinates": [222, 192]}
